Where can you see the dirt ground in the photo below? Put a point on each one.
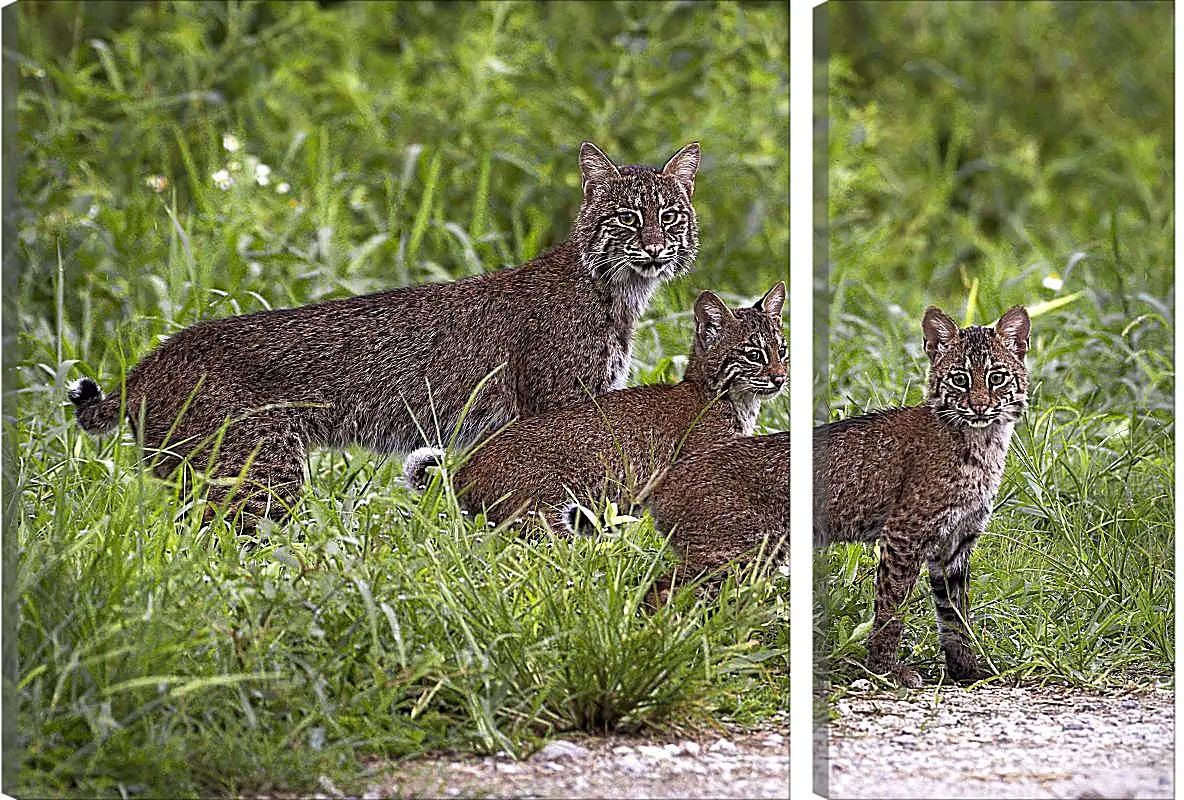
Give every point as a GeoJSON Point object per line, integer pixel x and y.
{"type": "Point", "coordinates": [997, 742]}
{"type": "Point", "coordinates": [731, 762]}
{"type": "Point", "coordinates": [1003, 743]}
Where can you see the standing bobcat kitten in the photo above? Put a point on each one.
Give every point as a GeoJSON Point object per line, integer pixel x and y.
{"type": "Point", "coordinates": [610, 446]}
{"type": "Point", "coordinates": [922, 480]}
{"type": "Point", "coordinates": [250, 394]}
{"type": "Point", "coordinates": [724, 503]}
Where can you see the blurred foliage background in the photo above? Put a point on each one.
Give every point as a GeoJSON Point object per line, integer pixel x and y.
{"type": "Point", "coordinates": [966, 136]}
{"type": "Point", "coordinates": [416, 140]}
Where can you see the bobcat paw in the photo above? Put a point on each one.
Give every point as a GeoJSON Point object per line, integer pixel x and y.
{"type": "Point", "coordinates": [967, 676]}
{"type": "Point", "coordinates": [907, 677]}
{"type": "Point", "coordinates": [962, 667]}
{"type": "Point", "coordinates": [899, 673]}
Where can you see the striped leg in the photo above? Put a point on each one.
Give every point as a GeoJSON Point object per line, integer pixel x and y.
{"type": "Point", "coordinates": [900, 561]}
{"type": "Point", "coordinates": [950, 581]}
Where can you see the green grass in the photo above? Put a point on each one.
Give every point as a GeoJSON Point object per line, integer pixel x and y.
{"type": "Point", "coordinates": [418, 142]}
{"type": "Point", "coordinates": [978, 155]}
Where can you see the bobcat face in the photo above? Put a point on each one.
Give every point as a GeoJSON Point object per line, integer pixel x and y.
{"type": "Point", "coordinates": [977, 375]}
{"type": "Point", "coordinates": [742, 351]}
{"type": "Point", "coordinates": [637, 223]}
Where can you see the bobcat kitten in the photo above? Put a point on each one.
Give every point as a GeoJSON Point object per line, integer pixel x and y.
{"type": "Point", "coordinates": [722, 504]}
{"type": "Point", "coordinates": [922, 480]}
{"type": "Point", "coordinates": [383, 369]}
{"type": "Point", "coordinates": [610, 446]}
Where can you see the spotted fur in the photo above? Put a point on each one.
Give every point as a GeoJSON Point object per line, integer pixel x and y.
{"type": "Point", "coordinates": [244, 398]}
{"type": "Point", "coordinates": [610, 447]}
{"type": "Point", "coordinates": [922, 480]}
{"type": "Point", "coordinates": [724, 504]}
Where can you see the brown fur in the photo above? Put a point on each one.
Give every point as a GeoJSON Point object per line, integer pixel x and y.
{"type": "Point", "coordinates": [922, 480]}
{"type": "Point", "coordinates": [724, 504]}
{"type": "Point", "coordinates": [613, 445]}
{"type": "Point", "coordinates": [249, 395]}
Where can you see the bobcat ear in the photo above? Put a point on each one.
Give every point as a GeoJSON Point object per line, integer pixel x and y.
{"type": "Point", "coordinates": [683, 165]}
{"type": "Point", "coordinates": [711, 314]}
{"type": "Point", "coordinates": [940, 332]}
{"type": "Point", "coordinates": [595, 166]}
{"type": "Point", "coordinates": [773, 301]}
{"type": "Point", "coordinates": [1013, 328]}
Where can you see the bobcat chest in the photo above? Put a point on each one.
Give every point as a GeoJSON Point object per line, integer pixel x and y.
{"type": "Point", "coordinates": [981, 458]}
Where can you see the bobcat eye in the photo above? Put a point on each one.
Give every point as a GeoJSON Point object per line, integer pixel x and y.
{"type": "Point", "coordinates": [996, 379]}
{"type": "Point", "coordinates": [959, 380]}
{"type": "Point", "coordinates": [628, 218]}
{"type": "Point", "coordinates": [782, 351]}
{"type": "Point", "coordinates": [754, 355]}
{"type": "Point", "coordinates": [669, 216]}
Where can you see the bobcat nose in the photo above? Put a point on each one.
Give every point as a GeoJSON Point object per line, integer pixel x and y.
{"type": "Point", "coordinates": [654, 249]}
{"type": "Point", "coordinates": [777, 379]}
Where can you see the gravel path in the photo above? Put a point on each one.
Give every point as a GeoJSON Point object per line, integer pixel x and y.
{"type": "Point", "coordinates": [998, 742]}
{"type": "Point", "coordinates": [1003, 742]}
{"type": "Point", "coordinates": [732, 762]}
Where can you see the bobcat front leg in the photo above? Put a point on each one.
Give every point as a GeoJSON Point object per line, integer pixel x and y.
{"type": "Point", "coordinates": [900, 562]}
{"type": "Point", "coordinates": [949, 577]}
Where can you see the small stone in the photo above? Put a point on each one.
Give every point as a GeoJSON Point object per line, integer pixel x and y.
{"type": "Point", "coordinates": [722, 746]}
{"type": "Point", "coordinates": [652, 752]}
{"type": "Point", "coordinates": [1072, 725]}
{"type": "Point", "coordinates": [861, 685]}
{"type": "Point", "coordinates": [623, 750]}
{"type": "Point", "coordinates": [691, 748]}
{"type": "Point", "coordinates": [1128, 703]}
{"type": "Point", "coordinates": [560, 749]}
{"type": "Point", "coordinates": [632, 763]}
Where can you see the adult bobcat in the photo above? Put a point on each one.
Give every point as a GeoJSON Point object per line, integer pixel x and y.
{"type": "Point", "coordinates": [922, 480]}
{"type": "Point", "coordinates": [610, 446]}
{"type": "Point", "coordinates": [246, 396]}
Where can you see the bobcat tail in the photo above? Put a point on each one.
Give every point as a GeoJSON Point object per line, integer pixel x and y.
{"type": "Point", "coordinates": [417, 464]}
{"type": "Point", "coordinates": [96, 412]}
{"type": "Point", "coordinates": [574, 520]}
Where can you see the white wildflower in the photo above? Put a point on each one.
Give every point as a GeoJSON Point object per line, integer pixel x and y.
{"type": "Point", "coordinates": [157, 183]}
{"type": "Point", "coordinates": [230, 142]}
{"type": "Point", "coordinates": [262, 174]}
{"type": "Point", "coordinates": [282, 187]}
{"type": "Point", "coordinates": [1052, 281]}
{"type": "Point", "coordinates": [222, 179]}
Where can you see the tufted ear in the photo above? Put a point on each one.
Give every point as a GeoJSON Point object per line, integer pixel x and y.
{"type": "Point", "coordinates": [711, 314]}
{"type": "Point", "coordinates": [595, 166]}
{"type": "Point", "coordinates": [1013, 329]}
{"type": "Point", "coordinates": [773, 301]}
{"type": "Point", "coordinates": [940, 332]}
{"type": "Point", "coordinates": [683, 165]}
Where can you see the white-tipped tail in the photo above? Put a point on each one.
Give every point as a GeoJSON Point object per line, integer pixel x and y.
{"type": "Point", "coordinates": [417, 464]}
{"type": "Point", "coordinates": [577, 519]}
{"type": "Point", "coordinates": [96, 412]}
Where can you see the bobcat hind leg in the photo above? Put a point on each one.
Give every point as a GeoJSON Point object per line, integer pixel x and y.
{"type": "Point", "coordinates": [257, 473]}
